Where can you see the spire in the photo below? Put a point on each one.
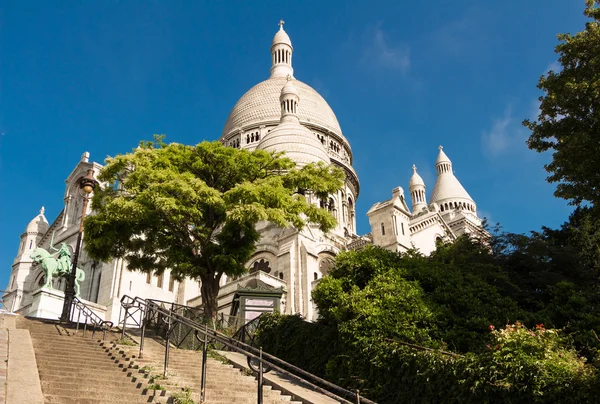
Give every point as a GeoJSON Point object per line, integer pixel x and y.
{"type": "Point", "coordinates": [443, 163]}
{"type": "Point", "coordinates": [417, 191]}
{"type": "Point", "coordinates": [38, 224]}
{"type": "Point", "coordinates": [289, 101]}
{"type": "Point", "coordinates": [448, 192]}
{"type": "Point", "coordinates": [281, 54]}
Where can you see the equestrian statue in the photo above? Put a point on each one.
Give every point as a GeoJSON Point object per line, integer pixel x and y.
{"type": "Point", "coordinates": [57, 266]}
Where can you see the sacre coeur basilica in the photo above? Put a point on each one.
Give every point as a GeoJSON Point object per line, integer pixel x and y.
{"type": "Point", "coordinates": [279, 114]}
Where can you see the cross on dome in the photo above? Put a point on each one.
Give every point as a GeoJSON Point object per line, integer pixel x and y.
{"type": "Point", "coordinates": [42, 210]}
{"type": "Point", "coordinates": [440, 147]}
{"type": "Point", "coordinates": [281, 22]}
{"type": "Point", "coordinates": [414, 167]}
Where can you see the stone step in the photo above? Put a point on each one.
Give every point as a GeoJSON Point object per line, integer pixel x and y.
{"type": "Point", "coordinates": [50, 364]}
{"type": "Point", "coordinates": [91, 353]}
{"type": "Point", "coordinates": [76, 386]}
{"type": "Point", "coordinates": [128, 377]}
{"type": "Point", "coordinates": [106, 394]}
{"type": "Point", "coordinates": [75, 399]}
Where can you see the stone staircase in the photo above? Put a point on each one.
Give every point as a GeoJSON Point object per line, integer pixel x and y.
{"type": "Point", "coordinates": [77, 370]}
{"type": "Point", "coordinates": [224, 384]}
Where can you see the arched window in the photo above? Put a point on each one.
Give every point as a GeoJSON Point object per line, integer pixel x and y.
{"type": "Point", "coordinates": [326, 262]}
{"type": "Point", "coordinates": [261, 265]}
{"type": "Point", "coordinates": [315, 276]}
{"type": "Point", "coordinates": [331, 205]}
{"type": "Point", "coordinates": [281, 275]}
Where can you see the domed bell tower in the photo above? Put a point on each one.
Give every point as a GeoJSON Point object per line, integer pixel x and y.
{"type": "Point", "coordinates": [281, 54]}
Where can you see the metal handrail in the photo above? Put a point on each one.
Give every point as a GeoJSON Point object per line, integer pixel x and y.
{"type": "Point", "coordinates": [90, 316]}
{"type": "Point", "coordinates": [263, 358]}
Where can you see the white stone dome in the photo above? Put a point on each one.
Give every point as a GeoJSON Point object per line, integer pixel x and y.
{"type": "Point", "coordinates": [298, 143]}
{"type": "Point", "coordinates": [39, 224]}
{"type": "Point", "coordinates": [448, 187]}
{"type": "Point", "coordinates": [260, 105]}
{"type": "Point", "coordinates": [416, 179]}
{"type": "Point", "coordinates": [281, 37]}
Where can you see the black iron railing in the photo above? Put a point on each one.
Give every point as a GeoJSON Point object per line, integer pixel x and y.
{"type": "Point", "coordinates": [87, 316]}
{"type": "Point", "coordinates": [147, 312]}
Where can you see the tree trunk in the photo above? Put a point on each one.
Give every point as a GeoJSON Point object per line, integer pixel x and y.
{"type": "Point", "coordinates": [209, 290]}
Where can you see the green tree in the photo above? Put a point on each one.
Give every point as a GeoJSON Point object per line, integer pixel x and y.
{"type": "Point", "coordinates": [569, 119]}
{"type": "Point", "coordinates": [194, 209]}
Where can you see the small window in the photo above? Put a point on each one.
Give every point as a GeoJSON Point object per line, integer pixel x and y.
{"type": "Point", "coordinates": [148, 278]}
{"type": "Point", "coordinates": [171, 283]}
{"type": "Point", "coordinates": [281, 275]}
{"type": "Point", "coordinates": [159, 281]}
{"type": "Point", "coordinates": [382, 229]}
{"type": "Point", "coordinates": [30, 244]}
{"type": "Point", "coordinates": [316, 276]}
{"type": "Point", "coordinates": [402, 226]}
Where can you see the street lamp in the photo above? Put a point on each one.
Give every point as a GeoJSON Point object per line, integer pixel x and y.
{"type": "Point", "coordinates": [86, 187]}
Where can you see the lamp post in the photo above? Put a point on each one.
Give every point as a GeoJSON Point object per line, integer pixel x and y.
{"type": "Point", "coordinates": [86, 187]}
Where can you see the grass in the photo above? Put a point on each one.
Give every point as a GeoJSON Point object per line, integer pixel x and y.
{"type": "Point", "coordinates": [146, 369]}
{"type": "Point", "coordinates": [125, 341]}
{"type": "Point", "coordinates": [183, 397]}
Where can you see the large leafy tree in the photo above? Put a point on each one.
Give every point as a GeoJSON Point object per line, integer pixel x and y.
{"type": "Point", "coordinates": [569, 119]}
{"type": "Point", "coordinates": [194, 209]}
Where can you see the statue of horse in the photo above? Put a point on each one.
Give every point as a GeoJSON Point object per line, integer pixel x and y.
{"type": "Point", "coordinates": [55, 267]}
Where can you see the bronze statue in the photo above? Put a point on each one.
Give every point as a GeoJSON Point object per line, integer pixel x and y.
{"type": "Point", "coordinates": [60, 266]}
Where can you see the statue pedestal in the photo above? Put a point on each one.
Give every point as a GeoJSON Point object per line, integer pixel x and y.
{"type": "Point", "coordinates": [46, 303]}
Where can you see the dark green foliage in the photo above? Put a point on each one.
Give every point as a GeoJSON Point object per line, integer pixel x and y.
{"type": "Point", "coordinates": [306, 345]}
{"type": "Point", "coordinates": [448, 299]}
{"type": "Point", "coordinates": [378, 307]}
{"type": "Point", "coordinates": [569, 119]}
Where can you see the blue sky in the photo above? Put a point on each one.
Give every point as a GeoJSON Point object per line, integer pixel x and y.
{"type": "Point", "coordinates": [402, 78]}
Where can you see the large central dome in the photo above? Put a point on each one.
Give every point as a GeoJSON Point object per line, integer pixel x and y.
{"type": "Point", "coordinates": [261, 104]}
{"type": "Point", "coordinates": [316, 134]}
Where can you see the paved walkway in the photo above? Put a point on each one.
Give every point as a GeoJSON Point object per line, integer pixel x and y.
{"type": "Point", "coordinates": [3, 361]}
{"type": "Point", "coordinates": [18, 368]}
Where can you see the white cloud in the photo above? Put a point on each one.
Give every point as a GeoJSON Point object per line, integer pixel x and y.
{"type": "Point", "coordinates": [506, 135]}
{"type": "Point", "coordinates": [498, 139]}
{"type": "Point", "coordinates": [381, 53]}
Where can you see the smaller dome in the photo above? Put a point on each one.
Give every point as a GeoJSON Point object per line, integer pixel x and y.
{"type": "Point", "coordinates": [290, 137]}
{"type": "Point", "coordinates": [281, 37]}
{"type": "Point", "coordinates": [39, 224]}
{"type": "Point", "coordinates": [442, 157]}
{"type": "Point", "coordinates": [448, 187]}
{"type": "Point", "coordinates": [416, 179]}
{"type": "Point", "coordinates": [297, 142]}
{"type": "Point", "coordinates": [289, 88]}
